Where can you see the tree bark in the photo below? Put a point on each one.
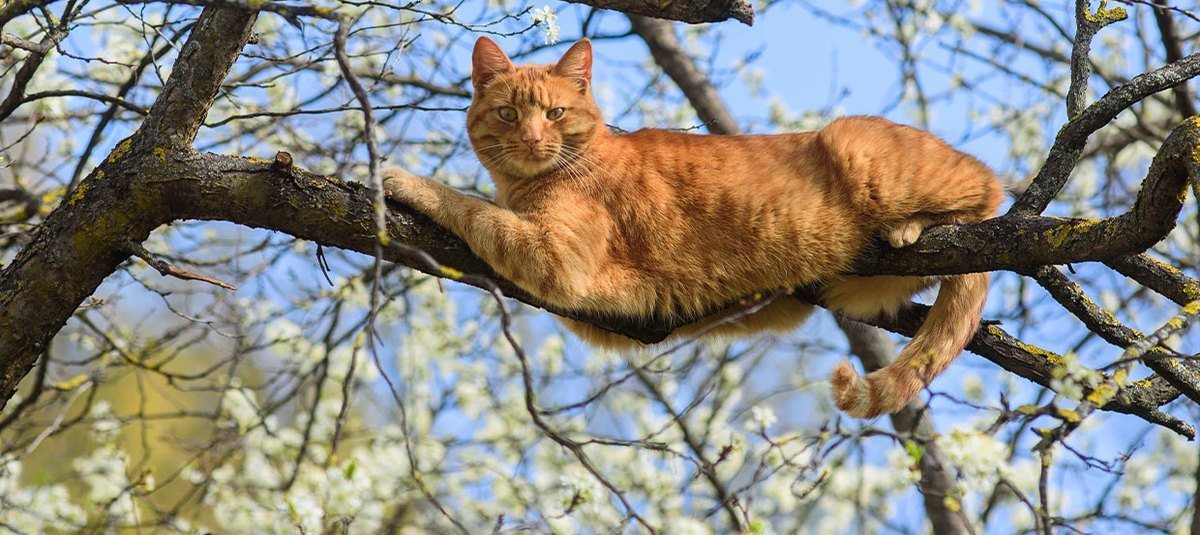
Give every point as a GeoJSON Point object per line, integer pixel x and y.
{"type": "Point", "coordinates": [80, 243]}
{"type": "Point", "coordinates": [690, 11]}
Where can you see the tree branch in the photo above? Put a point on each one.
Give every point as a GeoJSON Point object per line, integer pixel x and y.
{"type": "Point", "coordinates": [1174, 50]}
{"type": "Point", "coordinates": [690, 11]}
{"type": "Point", "coordinates": [1086, 26]}
{"type": "Point", "coordinates": [16, 8]}
{"type": "Point", "coordinates": [154, 178]}
{"type": "Point", "coordinates": [167, 270]}
{"type": "Point", "coordinates": [1070, 141]}
{"type": "Point", "coordinates": [37, 54]}
{"type": "Point", "coordinates": [1183, 374]}
{"type": "Point", "coordinates": [81, 242]}
{"type": "Point", "coordinates": [203, 62]}
{"type": "Point", "coordinates": [1141, 399]}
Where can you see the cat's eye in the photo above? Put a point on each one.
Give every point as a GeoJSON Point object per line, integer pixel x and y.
{"type": "Point", "coordinates": [555, 113]}
{"type": "Point", "coordinates": [507, 113]}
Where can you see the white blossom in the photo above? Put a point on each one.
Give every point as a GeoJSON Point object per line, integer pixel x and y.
{"type": "Point", "coordinates": [547, 20]}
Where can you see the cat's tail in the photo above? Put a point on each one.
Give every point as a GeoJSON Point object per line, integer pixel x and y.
{"type": "Point", "coordinates": [948, 328]}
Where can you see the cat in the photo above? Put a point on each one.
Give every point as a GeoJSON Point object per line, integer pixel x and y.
{"type": "Point", "coordinates": [660, 224]}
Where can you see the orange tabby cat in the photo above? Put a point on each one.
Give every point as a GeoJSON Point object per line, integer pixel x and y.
{"type": "Point", "coordinates": [660, 224]}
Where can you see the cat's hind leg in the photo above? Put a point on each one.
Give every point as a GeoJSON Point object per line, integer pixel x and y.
{"type": "Point", "coordinates": [871, 297]}
{"type": "Point", "coordinates": [906, 233]}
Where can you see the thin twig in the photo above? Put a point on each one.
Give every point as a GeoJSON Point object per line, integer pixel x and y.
{"type": "Point", "coordinates": [1086, 26]}
{"type": "Point", "coordinates": [167, 270]}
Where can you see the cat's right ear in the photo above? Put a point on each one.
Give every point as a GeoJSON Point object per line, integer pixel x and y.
{"type": "Point", "coordinates": [487, 60]}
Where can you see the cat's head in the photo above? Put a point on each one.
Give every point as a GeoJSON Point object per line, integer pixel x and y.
{"type": "Point", "coordinates": [528, 119]}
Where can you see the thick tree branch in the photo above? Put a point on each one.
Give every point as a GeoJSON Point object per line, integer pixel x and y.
{"type": "Point", "coordinates": [15, 8]}
{"type": "Point", "coordinates": [690, 11]}
{"type": "Point", "coordinates": [80, 243]}
{"type": "Point", "coordinates": [154, 178]}
{"type": "Point", "coordinates": [338, 214]}
{"type": "Point", "coordinates": [203, 62]}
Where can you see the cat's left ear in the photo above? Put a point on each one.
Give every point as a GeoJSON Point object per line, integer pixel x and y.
{"type": "Point", "coordinates": [576, 64]}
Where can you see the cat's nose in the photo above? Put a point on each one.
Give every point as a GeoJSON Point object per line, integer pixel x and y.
{"type": "Point", "coordinates": [532, 139]}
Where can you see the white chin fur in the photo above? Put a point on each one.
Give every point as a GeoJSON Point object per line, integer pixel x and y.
{"type": "Point", "coordinates": [531, 166]}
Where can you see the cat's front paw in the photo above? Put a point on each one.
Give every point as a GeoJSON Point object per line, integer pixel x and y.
{"type": "Point", "coordinates": [416, 191]}
{"type": "Point", "coordinates": [399, 184]}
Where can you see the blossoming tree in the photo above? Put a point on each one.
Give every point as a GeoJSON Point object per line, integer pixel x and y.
{"type": "Point", "coordinates": [210, 319]}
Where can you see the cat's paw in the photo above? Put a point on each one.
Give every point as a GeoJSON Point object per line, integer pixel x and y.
{"type": "Point", "coordinates": [418, 192]}
{"type": "Point", "coordinates": [905, 233]}
{"type": "Point", "coordinates": [398, 182]}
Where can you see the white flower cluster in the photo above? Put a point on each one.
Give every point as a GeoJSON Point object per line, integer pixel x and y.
{"type": "Point", "coordinates": [977, 456]}
{"type": "Point", "coordinates": [1072, 378]}
{"type": "Point", "coordinates": [36, 509]}
{"type": "Point", "coordinates": [546, 19]}
{"type": "Point", "coordinates": [761, 418]}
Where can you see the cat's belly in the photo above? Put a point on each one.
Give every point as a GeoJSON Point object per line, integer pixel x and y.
{"type": "Point", "coordinates": [694, 286]}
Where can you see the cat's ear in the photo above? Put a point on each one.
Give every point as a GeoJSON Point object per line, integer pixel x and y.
{"type": "Point", "coordinates": [576, 64]}
{"type": "Point", "coordinates": [487, 60]}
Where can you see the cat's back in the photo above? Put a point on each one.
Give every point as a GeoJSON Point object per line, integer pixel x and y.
{"type": "Point", "coordinates": [876, 145]}
{"type": "Point", "coordinates": [660, 147]}
{"type": "Point", "coordinates": [715, 163]}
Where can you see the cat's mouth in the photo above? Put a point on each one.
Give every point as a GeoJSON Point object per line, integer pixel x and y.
{"type": "Point", "coordinates": [539, 155]}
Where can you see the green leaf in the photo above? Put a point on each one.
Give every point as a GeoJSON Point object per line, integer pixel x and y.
{"type": "Point", "coordinates": [914, 450]}
{"type": "Point", "coordinates": [757, 527]}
